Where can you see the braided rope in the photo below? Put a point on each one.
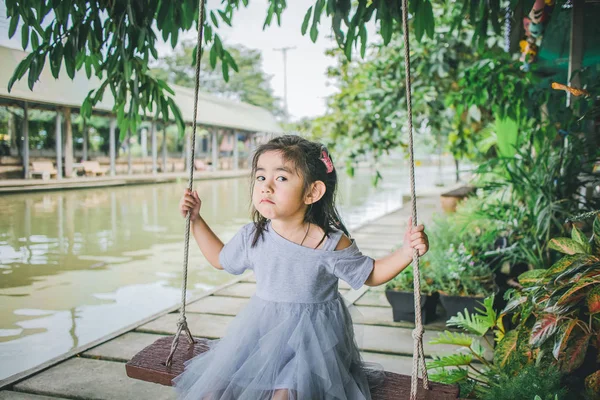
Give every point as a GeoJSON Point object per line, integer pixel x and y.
{"type": "Point", "coordinates": [417, 334]}
{"type": "Point", "coordinates": [182, 322]}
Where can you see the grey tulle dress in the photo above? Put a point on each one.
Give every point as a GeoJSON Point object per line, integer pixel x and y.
{"type": "Point", "coordinates": [295, 336]}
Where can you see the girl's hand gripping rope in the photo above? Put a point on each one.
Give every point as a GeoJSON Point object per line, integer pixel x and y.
{"type": "Point", "coordinates": [190, 202]}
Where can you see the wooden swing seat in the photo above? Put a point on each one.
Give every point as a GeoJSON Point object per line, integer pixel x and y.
{"type": "Point", "coordinates": [149, 365]}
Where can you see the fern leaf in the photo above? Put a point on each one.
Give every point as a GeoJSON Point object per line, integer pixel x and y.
{"type": "Point", "coordinates": [450, 377]}
{"type": "Point", "coordinates": [458, 339]}
{"type": "Point", "coordinates": [453, 360]}
{"type": "Point", "coordinates": [472, 323]}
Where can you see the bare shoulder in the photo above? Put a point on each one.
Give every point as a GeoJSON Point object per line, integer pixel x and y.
{"type": "Point", "coordinates": [343, 243]}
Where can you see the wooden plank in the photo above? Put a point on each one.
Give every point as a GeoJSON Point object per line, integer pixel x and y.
{"type": "Point", "coordinates": [123, 348]}
{"type": "Point", "coordinates": [84, 378]}
{"type": "Point", "coordinates": [201, 325]}
{"type": "Point", "coordinates": [242, 289]}
{"type": "Point", "coordinates": [372, 315]}
{"type": "Point", "coordinates": [220, 305]}
{"type": "Point", "coordinates": [8, 395]}
{"type": "Point", "coordinates": [373, 298]}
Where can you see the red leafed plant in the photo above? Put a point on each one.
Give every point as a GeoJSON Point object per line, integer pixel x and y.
{"type": "Point", "coordinates": [557, 310]}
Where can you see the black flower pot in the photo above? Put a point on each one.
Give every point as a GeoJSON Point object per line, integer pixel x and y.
{"type": "Point", "coordinates": [455, 304]}
{"type": "Point", "coordinates": [403, 306]}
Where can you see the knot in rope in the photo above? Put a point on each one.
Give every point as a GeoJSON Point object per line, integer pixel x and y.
{"type": "Point", "coordinates": [417, 333]}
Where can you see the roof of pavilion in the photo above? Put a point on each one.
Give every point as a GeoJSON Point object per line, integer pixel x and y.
{"type": "Point", "coordinates": [49, 92]}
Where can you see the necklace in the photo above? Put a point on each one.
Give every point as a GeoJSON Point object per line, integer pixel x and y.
{"type": "Point", "coordinates": [305, 235]}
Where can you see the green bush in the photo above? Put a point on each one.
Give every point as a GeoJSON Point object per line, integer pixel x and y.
{"type": "Point", "coordinates": [543, 382]}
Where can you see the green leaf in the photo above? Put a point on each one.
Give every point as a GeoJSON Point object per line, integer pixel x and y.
{"type": "Point", "coordinates": [25, 36]}
{"type": "Point", "coordinates": [569, 295]}
{"type": "Point", "coordinates": [471, 323]}
{"type": "Point", "coordinates": [225, 69]}
{"type": "Point", "coordinates": [306, 21]}
{"type": "Point", "coordinates": [35, 43]}
{"type": "Point", "coordinates": [214, 20]}
{"type": "Point", "coordinates": [34, 72]}
{"type": "Point", "coordinates": [363, 40]}
{"type": "Point", "coordinates": [450, 377]}
{"type": "Point", "coordinates": [580, 238]}
{"type": "Point", "coordinates": [386, 30]}
{"type": "Point", "coordinates": [56, 56]}
{"type": "Point", "coordinates": [69, 59]}
{"type": "Point", "coordinates": [230, 61]}
{"type": "Point", "coordinates": [592, 383]}
{"type": "Point", "coordinates": [12, 28]}
{"type": "Point", "coordinates": [23, 66]}
{"type": "Point", "coordinates": [225, 17]}
{"type": "Point", "coordinates": [455, 338]}
{"type": "Point", "coordinates": [566, 245]}
{"type": "Point", "coordinates": [514, 303]}
{"type": "Point", "coordinates": [506, 348]}
{"type": "Point", "coordinates": [177, 115]}
{"type": "Point", "coordinates": [427, 11]}
{"type": "Point", "coordinates": [596, 228]}
{"type": "Point", "coordinates": [531, 277]}
{"type": "Point", "coordinates": [593, 300]}
{"type": "Point", "coordinates": [561, 265]}
{"type": "Point", "coordinates": [213, 57]}
{"type": "Point", "coordinates": [453, 360]}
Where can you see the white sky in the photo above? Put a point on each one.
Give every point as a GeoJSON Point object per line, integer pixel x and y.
{"type": "Point", "coordinates": [306, 64]}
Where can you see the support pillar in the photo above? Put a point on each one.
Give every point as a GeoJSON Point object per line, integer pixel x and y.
{"type": "Point", "coordinates": [25, 143]}
{"type": "Point", "coordinates": [154, 148]}
{"type": "Point", "coordinates": [58, 145]}
{"type": "Point", "coordinates": [68, 143]}
{"type": "Point", "coordinates": [129, 161]}
{"type": "Point", "coordinates": [85, 142]}
{"type": "Point", "coordinates": [187, 149]}
{"type": "Point", "coordinates": [236, 152]}
{"type": "Point", "coordinates": [112, 139]}
{"type": "Point", "coordinates": [215, 150]}
{"type": "Point", "coordinates": [144, 142]}
{"type": "Point", "coordinates": [164, 150]}
{"type": "Point", "coordinates": [12, 132]}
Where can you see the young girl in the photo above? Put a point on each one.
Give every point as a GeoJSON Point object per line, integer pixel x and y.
{"type": "Point", "coordinates": [294, 340]}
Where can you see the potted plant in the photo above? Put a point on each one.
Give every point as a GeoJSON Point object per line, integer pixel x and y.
{"type": "Point", "coordinates": [462, 281]}
{"type": "Point", "coordinates": [557, 310]}
{"type": "Point", "coordinates": [399, 293]}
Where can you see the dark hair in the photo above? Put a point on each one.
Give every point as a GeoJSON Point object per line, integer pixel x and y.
{"type": "Point", "coordinates": [306, 158]}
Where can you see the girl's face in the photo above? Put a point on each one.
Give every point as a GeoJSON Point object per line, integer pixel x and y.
{"type": "Point", "coordinates": [278, 189]}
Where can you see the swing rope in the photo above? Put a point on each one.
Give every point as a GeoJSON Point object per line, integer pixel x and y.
{"type": "Point", "coordinates": [418, 354]}
{"type": "Point", "coordinates": [417, 334]}
{"type": "Point", "coordinates": [182, 322]}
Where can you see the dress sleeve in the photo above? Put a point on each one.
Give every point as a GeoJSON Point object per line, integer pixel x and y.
{"type": "Point", "coordinates": [234, 255]}
{"type": "Point", "coordinates": [352, 266]}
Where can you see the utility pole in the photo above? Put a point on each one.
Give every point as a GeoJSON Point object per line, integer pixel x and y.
{"type": "Point", "coordinates": [284, 51]}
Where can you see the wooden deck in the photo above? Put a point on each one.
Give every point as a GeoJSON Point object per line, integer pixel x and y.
{"type": "Point", "coordinates": [12, 186]}
{"type": "Point", "coordinates": [99, 372]}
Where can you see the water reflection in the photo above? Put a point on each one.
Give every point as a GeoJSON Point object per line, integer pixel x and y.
{"type": "Point", "coordinates": [77, 265]}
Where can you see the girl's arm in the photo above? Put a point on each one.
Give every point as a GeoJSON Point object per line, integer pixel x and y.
{"type": "Point", "coordinates": [210, 245]}
{"type": "Point", "coordinates": [386, 268]}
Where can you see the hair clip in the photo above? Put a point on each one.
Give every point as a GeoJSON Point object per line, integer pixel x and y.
{"type": "Point", "coordinates": [326, 160]}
